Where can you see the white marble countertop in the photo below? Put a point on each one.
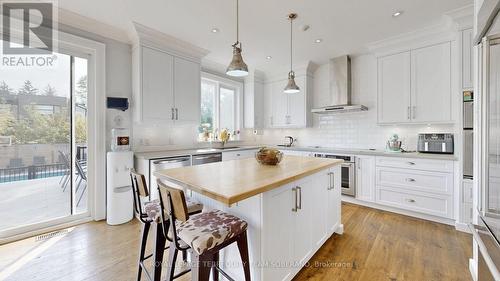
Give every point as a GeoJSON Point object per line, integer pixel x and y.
{"type": "Point", "coordinates": [341, 151]}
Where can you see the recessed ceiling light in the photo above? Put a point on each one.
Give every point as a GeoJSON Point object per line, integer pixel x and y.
{"type": "Point", "coordinates": [319, 40]}
{"type": "Point", "coordinates": [268, 57]}
{"type": "Point", "coordinates": [397, 14]}
{"type": "Point", "coordinates": [215, 30]}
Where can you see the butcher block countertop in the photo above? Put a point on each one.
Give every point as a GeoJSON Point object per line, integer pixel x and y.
{"type": "Point", "coordinates": [232, 181]}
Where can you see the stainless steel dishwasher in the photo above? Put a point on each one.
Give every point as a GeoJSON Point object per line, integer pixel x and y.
{"type": "Point", "coordinates": [200, 159]}
{"type": "Point", "coordinates": [163, 164]}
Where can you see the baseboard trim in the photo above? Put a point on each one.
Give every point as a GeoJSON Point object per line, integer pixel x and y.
{"type": "Point", "coordinates": [461, 226]}
{"type": "Point", "coordinates": [340, 229]}
{"type": "Point", "coordinates": [472, 269]}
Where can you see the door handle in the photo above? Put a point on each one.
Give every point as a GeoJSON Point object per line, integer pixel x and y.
{"type": "Point", "coordinates": [410, 180]}
{"type": "Point", "coordinates": [299, 189]}
{"type": "Point", "coordinates": [410, 200]}
{"type": "Point", "coordinates": [176, 113]}
{"type": "Point", "coordinates": [331, 181]}
{"type": "Point", "coordinates": [295, 208]}
{"type": "Point", "coordinates": [408, 113]}
{"type": "Point", "coordinates": [411, 163]}
{"type": "Point", "coordinates": [173, 113]}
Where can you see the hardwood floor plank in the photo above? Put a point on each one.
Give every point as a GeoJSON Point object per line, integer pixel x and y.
{"type": "Point", "coordinates": [376, 245]}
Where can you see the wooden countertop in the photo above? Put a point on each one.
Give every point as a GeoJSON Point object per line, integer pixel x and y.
{"type": "Point", "coordinates": [233, 181]}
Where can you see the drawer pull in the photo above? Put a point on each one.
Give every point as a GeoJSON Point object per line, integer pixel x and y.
{"type": "Point", "coordinates": [411, 163]}
{"type": "Point", "coordinates": [410, 200]}
{"type": "Point", "coordinates": [410, 180]}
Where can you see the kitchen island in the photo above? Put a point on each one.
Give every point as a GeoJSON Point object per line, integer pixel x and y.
{"type": "Point", "coordinates": [291, 208]}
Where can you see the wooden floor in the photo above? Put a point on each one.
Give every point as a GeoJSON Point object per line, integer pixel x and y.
{"type": "Point", "coordinates": [376, 245]}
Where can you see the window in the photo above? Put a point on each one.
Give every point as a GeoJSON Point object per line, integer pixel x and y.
{"type": "Point", "coordinates": [220, 107]}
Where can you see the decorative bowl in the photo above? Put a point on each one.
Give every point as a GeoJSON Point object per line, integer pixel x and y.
{"type": "Point", "coordinates": [268, 156]}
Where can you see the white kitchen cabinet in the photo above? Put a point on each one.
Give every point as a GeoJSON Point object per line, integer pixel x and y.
{"type": "Point", "coordinates": [293, 152]}
{"type": "Point", "coordinates": [187, 89]}
{"type": "Point", "coordinates": [279, 102]}
{"type": "Point", "coordinates": [304, 189]}
{"type": "Point", "coordinates": [239, 154]}
{"type": "Point", "coordinates": [393, 102]}
{"type": "Point", "coordinates": [365, 178]}
{"type": "Point", "coordinates": [415, 86]}
{"type": "Point", "coordinates": [333, 213]}
{"type": "Point", "coordinates": [431, 84]}
{"type": "Point", "coordinates": [467, 59]}
{"type": "Point", "coordinates": [277, 245]}
{"type": "Point", "coordinates": [289, 110]}
{"type": "Point", "coordinates": [302, 215]}
{"type": "Point", "coordinates": [253, 101]}
{"type": "Point", "coordinates": [167, 87]}
{"type": "Point", "coordinates": [156, 98]}
{"type": "Point", "coordinates": [420, 185]}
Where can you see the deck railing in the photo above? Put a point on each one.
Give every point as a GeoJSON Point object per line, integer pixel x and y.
{"type": "Point", "coordinates": [32, 172]}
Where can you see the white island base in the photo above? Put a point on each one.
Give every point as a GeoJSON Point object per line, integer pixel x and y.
{"type": "Point", "coordinates": [287, 225]}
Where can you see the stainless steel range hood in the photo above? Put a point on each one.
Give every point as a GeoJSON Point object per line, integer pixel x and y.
{"type": "Point", "coordinates": [340, 89]}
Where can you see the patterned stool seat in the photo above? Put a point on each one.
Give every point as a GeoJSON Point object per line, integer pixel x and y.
{"type": "Point", "coordinates": [207, 230]}
{"type": "Point", "coordinates": [152, 208]}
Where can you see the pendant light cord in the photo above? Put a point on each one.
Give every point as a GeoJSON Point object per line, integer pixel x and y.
{"type": "Point", "coordinates": [237, 22]}
{"type": "Point", "coordinates": [291, 44]}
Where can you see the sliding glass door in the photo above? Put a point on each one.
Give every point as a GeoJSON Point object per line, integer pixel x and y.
{"type": "Point", "coordinates": [43, 143]}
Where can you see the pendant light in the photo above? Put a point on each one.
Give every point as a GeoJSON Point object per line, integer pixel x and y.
{"type": "Point", "coordinates": [291, 87]}
{"type": "Point", "coordinates": [237, 67]}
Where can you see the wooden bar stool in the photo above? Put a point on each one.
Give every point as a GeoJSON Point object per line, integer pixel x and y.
{"type": "Point", "coordinates": [148, 212]}
{"type": "Point", "coordinates": [204, 235]}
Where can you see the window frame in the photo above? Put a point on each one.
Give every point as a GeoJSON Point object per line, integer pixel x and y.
{"type": "Point", "coordinates": [237, 87]}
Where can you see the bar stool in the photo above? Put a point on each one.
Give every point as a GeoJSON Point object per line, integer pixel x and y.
{"type": "Point", "coordinates": [148, 212]}
{"type": "Point", "coordinates": [204, 235]}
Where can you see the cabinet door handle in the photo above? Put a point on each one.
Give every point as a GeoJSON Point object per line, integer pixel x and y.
{"type": "Point", "coordinates": [408, 113]}
{"type": "Point", "coordinates": [410, 200]}
{"type": "Point", "coordinates": [414, 112]}
{"type": "Point", "coordinates": [294, 209]}
{"type": "Point", "coordinates": [411, 163]}
{"type": "Point", "coordinates": [173, 113]}
{"type": "Point", "coordinates": [331, 181]}
{"type": "Point", "coordinates": [176, 114]}
{"type": "Point", "coordinates": [299, 207]}
{"type": "Point", "coordinates": [410, 180]}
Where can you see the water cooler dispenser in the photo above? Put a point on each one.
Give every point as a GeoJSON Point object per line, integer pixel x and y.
{"type": "Point", "coordinates": [119, 201]}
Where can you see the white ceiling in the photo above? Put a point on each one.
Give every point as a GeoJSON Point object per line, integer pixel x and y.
{"type": "Point", "coordinates": [346, 26]}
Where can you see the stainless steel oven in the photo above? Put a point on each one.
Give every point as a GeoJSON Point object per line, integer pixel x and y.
{"type": "Point", "coordinates": [348, 172]}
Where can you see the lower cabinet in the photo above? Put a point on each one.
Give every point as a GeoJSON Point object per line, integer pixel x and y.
{"type": "Point", "coordinates": [239, 154]}
{"type": "Point", "coordinates": [420, 185]}
{"type": "Point", "coordinates": [304, 214]}
{"type": "Point", "coordinates": [365, 178]}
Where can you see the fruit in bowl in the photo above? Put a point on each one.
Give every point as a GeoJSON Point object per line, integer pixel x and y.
{"type": "Point", "coordinates": [268, 156]}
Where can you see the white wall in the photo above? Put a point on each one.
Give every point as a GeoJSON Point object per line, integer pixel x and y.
{"type": "Point", "coordinates": [118, 75]}
{"type": "Point", "coordinates": [348, 130]}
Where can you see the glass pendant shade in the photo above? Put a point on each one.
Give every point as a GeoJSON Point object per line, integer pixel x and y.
{"type": "Point", "coordinates": [237, 67]}
{"type": "Point", "coordinates": [291, 87]}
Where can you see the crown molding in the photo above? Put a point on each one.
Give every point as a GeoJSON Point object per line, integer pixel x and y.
{"type": "Point", "coordinates": [87, 24]}
{"type": "Point", "coordinates": [463, 17]}
{"type": "Point", "coordinates": [153, 38]}
{"type": "Point", "coordinates": [433, 34]}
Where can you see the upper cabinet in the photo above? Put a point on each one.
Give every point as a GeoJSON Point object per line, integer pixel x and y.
{"type": "Point", "coordinates": [166, 78]}
{"type": "Point", "coordinates": [394, 88]}
{"type": "Point", "coordinates": [415, 86]}
{"type": "Point", "coordinates": [288, 110]}
{"type": "Point", "coordinates": [467, 59]}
